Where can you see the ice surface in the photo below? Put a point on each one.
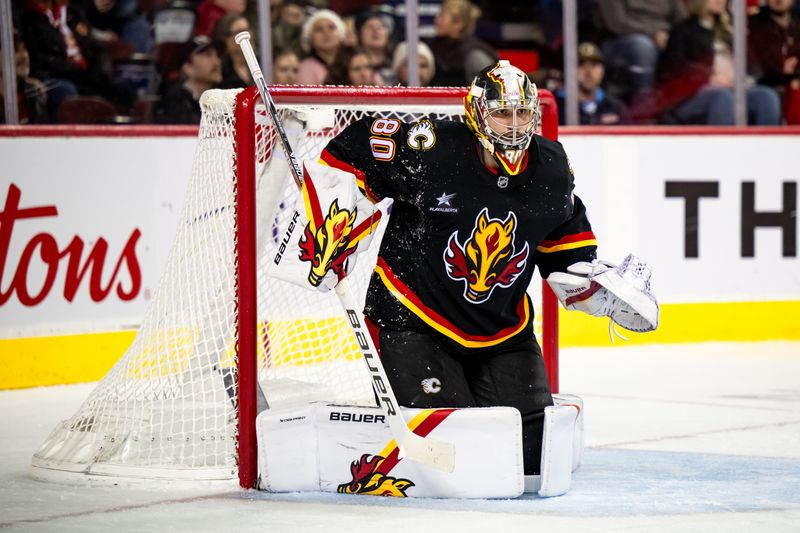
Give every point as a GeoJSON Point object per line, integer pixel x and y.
{"type": "Point", "coordinates": [702, 437]}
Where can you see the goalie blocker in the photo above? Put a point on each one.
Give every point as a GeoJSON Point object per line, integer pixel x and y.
{"type": "Point", "coordinates": [345, 449]}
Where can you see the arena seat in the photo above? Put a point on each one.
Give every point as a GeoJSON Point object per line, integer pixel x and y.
{"type": "Point", "coordinates": [86, 110]}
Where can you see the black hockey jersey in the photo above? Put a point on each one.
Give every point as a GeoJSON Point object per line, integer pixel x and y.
{"type": "Point", "coordinates": [463, 240]}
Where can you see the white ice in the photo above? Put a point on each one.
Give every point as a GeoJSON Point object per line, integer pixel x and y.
{"type": "Point", "coordinates": [690, 438]}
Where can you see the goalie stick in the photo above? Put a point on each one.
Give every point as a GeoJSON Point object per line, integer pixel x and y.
{"type": "Point", "coordinates": [432, 453]}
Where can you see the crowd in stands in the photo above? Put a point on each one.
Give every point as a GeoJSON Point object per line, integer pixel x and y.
{"type": "Point", "coordinates": [639, 61]}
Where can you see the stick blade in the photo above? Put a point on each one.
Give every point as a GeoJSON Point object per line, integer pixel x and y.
{"type": "Point", "coordinates": [432, 453]}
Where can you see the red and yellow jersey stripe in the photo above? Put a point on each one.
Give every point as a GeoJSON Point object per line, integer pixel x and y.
{"type": "Point", "coordinates": [326, 158]}
{"type": "Point", "coordinates": [436, 321]}
{"type": "Point", "coordinates": [568, 242]}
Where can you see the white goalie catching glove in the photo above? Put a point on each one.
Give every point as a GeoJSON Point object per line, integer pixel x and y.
{"type": "Point", "coordinates": [600, 288]}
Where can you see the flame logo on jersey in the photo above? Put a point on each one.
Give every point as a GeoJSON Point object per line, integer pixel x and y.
{"type": "Point", "coordinates": [367, 479]}
{"type": "Point", "coordinates": [329, 246]}
{"type": "Point", "coordinates": [488, 259]}
{"type": "Point", "coordinates": [421, 135]}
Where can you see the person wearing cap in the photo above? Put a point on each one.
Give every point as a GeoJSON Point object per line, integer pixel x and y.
{"type": "Point", "coordinates": [596, 107]}
{"type": "Point", "coordinates": [201, 69]}
{"type": "Point", "coordinates": [321, 38]}
{"type": "Point", "coordinates": [426, 63]}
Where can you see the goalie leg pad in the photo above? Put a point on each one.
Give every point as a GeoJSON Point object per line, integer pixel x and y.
{"type": "Point", "coordinates": [562, 447]}
{"type": "Point", "coordinates": [351, 450]}
{"type": "Point", "coordinates": [287, 450]}
{"type": "Point", "coordinates": [577, 435]}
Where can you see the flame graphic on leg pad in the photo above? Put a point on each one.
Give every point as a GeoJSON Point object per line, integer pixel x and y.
{"type": "Point", "coordinates": [487, 259]}
{"type": "Point", "coordinates": [368, 479]}
{"type": "Point", "coordinates": [329, 245]}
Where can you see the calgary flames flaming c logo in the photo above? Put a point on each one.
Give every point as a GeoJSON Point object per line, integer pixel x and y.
{"type": "Point", "coordinates": [368, 479]}
{"type": "Point", "coordinates": [329, 246]}
{"type": "Point", "coordinates": [487, 259]}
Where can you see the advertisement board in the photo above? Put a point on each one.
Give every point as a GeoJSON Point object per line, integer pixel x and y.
{"type": "Point", "coordinates": [715, 215]}
{"type": "Point", "coordinates": [86, 226]}
{"type": "Point", "coordinates": [87, 221]}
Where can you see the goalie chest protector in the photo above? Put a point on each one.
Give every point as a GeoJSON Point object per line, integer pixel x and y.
{"type": "Point", "coordinates": [461, 245]}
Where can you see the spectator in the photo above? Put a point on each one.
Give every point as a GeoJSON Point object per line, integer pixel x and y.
{"type": "Point", "coordinates": [210, 11]}
{"type": "Point", "coordinates": [66, 58]}
{"type": "Point", "coordinates": [459, 55]}
{"type": "Point", "coordinates": [351, 67]}
{"type": "Point", "coordinates": [774, 49]}
{"type": "Point", "coordinates": [595, 106]}
{"type": "Point", "coordinates": [374, 32]}
{"type": "Point", "coordinates": [31, 92]}
{"type": "Point", "coordinates": [774, 44]}
{"type": "Point", "coordinates": [549, 39]}
{"type": "Point", "coordinates": [286, 31]}
{"type": "Point", "coordinates": [321, 38]}
{"type": "Point", "coordinates": [235, 72]}
{"type": "Point", "coordinates": [274, 11]}
{"type": "Point", "coordinates": [696, 73]}
{"type": "Point", "coordinates": [427, 66]}
{"type": "Point", "coordinates": [201, 69]}
{"type": "Point", "coordinates": [285, 64]}
{"type": "Point", "coordinates": [633, 33]}
{"type": "Point", "coordinates": [120, 21]}
{"type": "Point", "coordinates": [350, 34]}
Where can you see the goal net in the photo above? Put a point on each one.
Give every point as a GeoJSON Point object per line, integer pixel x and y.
{"type": "Point", "coordinates": [181, 402]}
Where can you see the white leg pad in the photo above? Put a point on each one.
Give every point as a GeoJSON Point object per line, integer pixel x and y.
{"type": "Point", "coordinates": [288, 450]}
{"type": "Point", "coordinates": [562, 445]}
{"type": "Point", "coordinates": [346, 449]}
{"type": "Point", "coordinates": [578, 438]}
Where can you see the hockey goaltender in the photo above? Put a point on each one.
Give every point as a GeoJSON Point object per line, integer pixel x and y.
{"type": "Point", "coordinates": [476, 207]}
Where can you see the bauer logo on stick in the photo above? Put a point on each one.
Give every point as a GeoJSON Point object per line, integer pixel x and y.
{"type": "Point", "coordinates": [488, 259]}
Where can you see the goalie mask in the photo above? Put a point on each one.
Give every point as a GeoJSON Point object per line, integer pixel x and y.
{"type": "Point", "coordinates": [502, 110]}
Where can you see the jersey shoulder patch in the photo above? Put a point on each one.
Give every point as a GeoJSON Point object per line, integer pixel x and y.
{"type": "Point", "coordinates": [421, 135]}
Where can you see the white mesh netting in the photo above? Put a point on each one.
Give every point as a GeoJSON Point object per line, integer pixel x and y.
{"type": "Point", "coordinates": [167, 409]}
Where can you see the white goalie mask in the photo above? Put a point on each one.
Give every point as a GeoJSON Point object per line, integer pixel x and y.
{"type": "Point", "coordinates": [502, 110]}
